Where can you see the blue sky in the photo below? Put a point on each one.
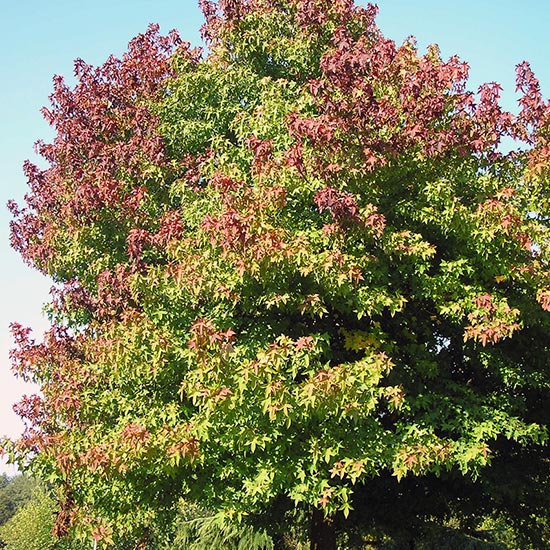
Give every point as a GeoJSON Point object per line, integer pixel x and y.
{"type": "Point", "coordinates": [40, 39]}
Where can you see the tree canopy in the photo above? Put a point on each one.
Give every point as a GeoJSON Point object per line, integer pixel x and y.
{"type": "Point", "coordinates": [30, 528]}
{"type": "Point", "coordinates": [295, 273]}
{"type": "Point", "coordinates": [14, 493]}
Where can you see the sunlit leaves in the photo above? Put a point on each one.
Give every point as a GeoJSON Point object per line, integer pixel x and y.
{"type": "Point", "coordinates": [286, 267]}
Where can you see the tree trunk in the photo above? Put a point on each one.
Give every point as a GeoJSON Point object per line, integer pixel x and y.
{"type": "Point", "coordinates": [322, 535]}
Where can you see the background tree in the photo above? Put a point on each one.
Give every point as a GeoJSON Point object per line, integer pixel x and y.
{"type": "Point", "coordinates": [14, 493]}
{"type": "Point", "coordinates": [295, 275]}
{"type": "Point", "coordinates": [30, 528]}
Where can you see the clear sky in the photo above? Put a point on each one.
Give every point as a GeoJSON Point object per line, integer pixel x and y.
{"type": "Point", "coordinates": [40, 39]}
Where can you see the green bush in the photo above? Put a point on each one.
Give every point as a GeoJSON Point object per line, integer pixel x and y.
{"type": "Point", "coordinates": [198, 529]}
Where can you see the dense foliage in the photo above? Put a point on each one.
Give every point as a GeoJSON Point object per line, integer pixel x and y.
{"type": "Point", "coordinates": [295, 274]}
{"type": "Point", "coordinates": [27, 515]}
{"type": "Point", "coordinates": [15, 492]}
{"type": "Point", "coordinates": [31, 527]}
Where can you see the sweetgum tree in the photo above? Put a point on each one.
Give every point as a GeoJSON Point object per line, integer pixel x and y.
{"type": "Point", "coordinates": [294, 273]}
